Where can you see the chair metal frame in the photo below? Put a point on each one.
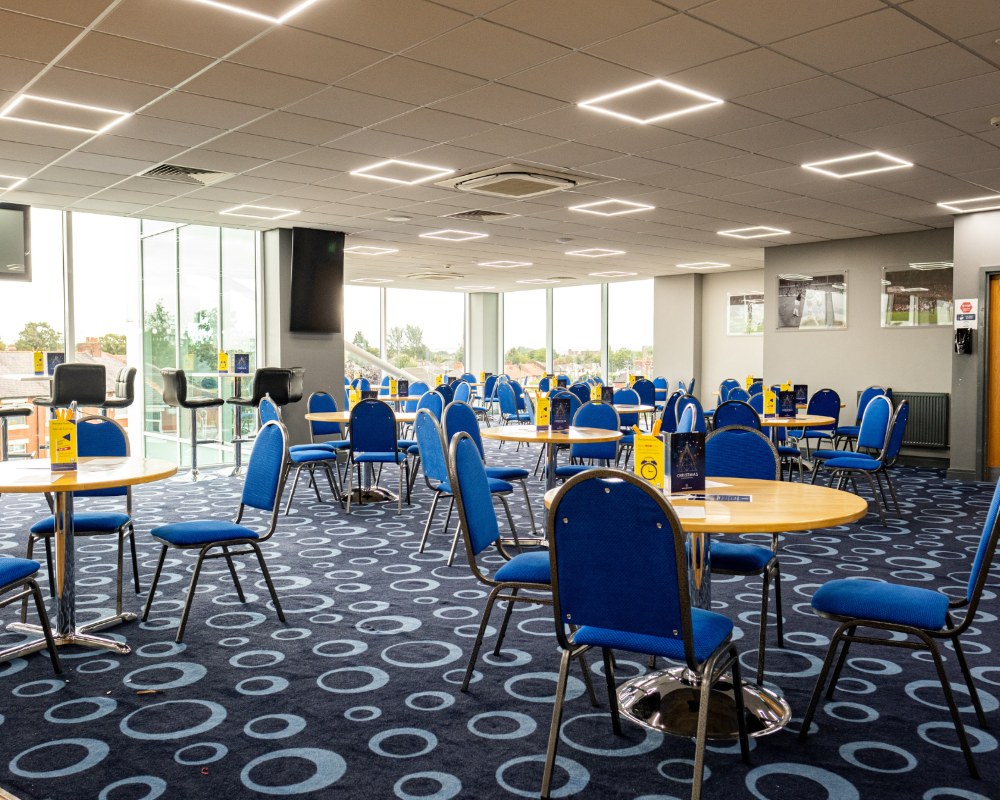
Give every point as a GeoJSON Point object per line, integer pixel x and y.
{"type": "Point", "coordinates": [30, 590]}
{"type": "Point", "coordinates": [404, 465]}
{"type": "Point", "coordinates": [849, 438]}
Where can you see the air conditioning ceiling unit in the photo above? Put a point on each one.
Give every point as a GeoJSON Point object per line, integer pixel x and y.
{"type": "Point", "coordinates": [515, 182]}
{"type": "Point", "coordinates": [434, 276]}
{"type": "Point", "coordinates": [189, 175]}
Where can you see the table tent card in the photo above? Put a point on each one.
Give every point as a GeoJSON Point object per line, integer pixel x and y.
{"type": "Point", "coordinates": [559, 415]}
{"type": "Point", "coordinates": [685, 462]}
{"type": "Point", "coordinates": [241, 363]}
{"type": "Point", "coordinates": [801, 394]}
{"type": "Point", "coordinates": [53, 360]}
{"type": "Point", "coordinates": [402, 388]}
{"type": "Point", "coordinates": [786, 403]}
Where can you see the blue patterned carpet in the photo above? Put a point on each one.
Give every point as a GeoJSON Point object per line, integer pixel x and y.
{"type": "Point", "coordinates": [357, 696]}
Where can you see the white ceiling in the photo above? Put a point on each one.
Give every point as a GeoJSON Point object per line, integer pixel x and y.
{"type": "Point", "coordinates": [466, 85]}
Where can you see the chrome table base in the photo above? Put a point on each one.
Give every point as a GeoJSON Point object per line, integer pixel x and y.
{"type": "Point", "coordinates": [78, 637]}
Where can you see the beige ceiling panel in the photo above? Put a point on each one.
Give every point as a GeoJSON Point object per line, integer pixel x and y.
{"type": "Point", "coordinates": [859, 117]}
{"type": "Point", "coordinates": [930, 67]}
{"type": "Point", "coordinates": [409, 81]}
{"type": "Point", "coordinates": [390, 25]}
{"type": "Point", "coordinates": [221, 194]}
{"type": "Point", "coordinates": [321, 194]}
{"type": "Point", "coordinates": [644, 139]}
{"type": "Point", "coordinates": [574, 122]}
{"type": "Point", "coordinates": [330, 158]}
{"type": "Point", "coordinates": [78, 12]}
{"type": "Point", "coordinates": [120, 195]}
{"type": "Point", "coordinates": [297, 128]}
{"type": "Point", "coordinates": [956, 18]}
{"type": "Point", "coordinates": [948, 98]}
{"type": "Point", "coordinates": [246, 144]}
{"type": "Point", "coordinates": [246, 183]}
{"type": "Point", "coordinates": [153, 129]}
{"type": "Point", "coordinates": [767, 21]}
{"type": "Point", "coordinates": [507, 141]}
{"type": "Point", "coordinates": [571, 154]}
{"type": "Point", "coordinates": [719, 188]}
{"type": "Point", "coordinates": [453, 157]}
{"type": "Point", "coordinates": [694, 152]}
{"type": "Point", "coordinates": [108, 207]}
{"type": "Point", "coordinates": [289, 173]}
{"type": "Point", "coordinates": [57, 188]}
{"type": "Point", "coordinates": [379, 144]}
{"type": "Point", "coordinates": [83, 177]}
{"type": "Point", "coordinates": [861, 40]}
{"type": "Point", "coordinates": [747, 164]}
{"type": "Point", "coordinates": [576, 78]}
{"type": "Point", "coordinates": [222, 162]}
{"type": "Point", "coordinates": [929, 153]}
{"type": "Point", "coordinates": [985, 45]}
{"type": "Point", "coordinates": [351, 108]}
{"type": "Point", "coordinates": [625, 167]}
{"type": "Point", "coordinates": [759, 197]}
{"type": "Point", "coordinates": [938, 189]}
{"type": "Point", "coordinates": [807, 97]}
{"type": "Point", "coordinates": [124, 147]}
{"type": "Point", "coordinates": [94, 90]}
{"type": "Point", "coordinates": [746, 73]}
{"type": "Point", "coordinates": [97, 162]}
{"type": "Point", "coordinates": [150, 186]}
{"type": "Point", "coordinates": [497, 103]}
{"type": "Point", "coordinates": [433, 125]}
{"type": "Point", "coordinates": [913, 132]}
{"type": "Point", "coordinates": [678, 178]}
{"type": "Point", "coordinates": [972, 120]}
{"type": "Point", "coordinates": [204, 111]}
{"type": "Point", "coordinates": [35, 39]}
{"type": "Point", "coordinates": [132, 60]}
{"type": "Point", "coordinates": [248, 85]}
{"type": "Point", "coordinates": [716, 120]}
{"type": "Point", "coordinates": [16, 72]}
{"type": "Point", "coordinates": [578, 23]}
{"type": "Point", "coordinates": [290, 51]}
{"type": "Point", "coordinates": [44, 137]}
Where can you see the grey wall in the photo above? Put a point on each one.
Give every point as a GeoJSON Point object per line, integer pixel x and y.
{"type": "Point", "coordinates": [725, 356]}
{"type": "Point", "coordinates": [907, 359]}
{"type": "Point", "coordinates": [677, 327]}
{"type": "Point", "coordinates": [320, 354]}
{"type": "Point", "coordinates": [483, 326]}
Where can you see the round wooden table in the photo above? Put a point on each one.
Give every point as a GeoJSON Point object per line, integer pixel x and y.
{"type": "Point", "coordinates": [545, 436]}
{"type": "Point", "coordinates": [35, 477]}
{"type": "Point", "coordinates": [344, 417]}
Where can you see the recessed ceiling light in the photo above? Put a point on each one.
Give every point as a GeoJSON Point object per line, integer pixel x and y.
{"type": "Point", "coordinates": [61, 114]}
{"type": "Point", "coordinates": [764, 232]}
{"type": "Point", "coordinates": [474, 288]}
{"type": "Point", "coordinates": [564, 239]}
{"type": "Point", "coordinates": [398, 218]}
{"type": "Point", "coordinates": [366, 250]}
{"type": "Point", "coordinates": [651, 102]}
{"type": "Point", "coordinates": [372, 280]}
{"type": "Point", "coordinates": [793, 277]}
{"type": "Point", "coordinates": [293, 9]}
{"type": "Point", "coordinates": [925, 265]}
{"type": "Point", "coordinates": [703, 265]}
{"type": "Point", "coordinates": [270, 213]}
{"type": "Point", "coordinates": [506, 264]}
{"type": "Point", "coordinates": [611, 274]}
{"type": "Point", "coordinates": [8, 182]}
{"type": "Point", "coordinates": [453, 236]}
{"type": "Point", "coordinates": [595, 252]}
{"type": "Point", "coordinates": [612, 208]}
{"type": "Point", "coordinates": [539, 280]}
{"type": "Point", "coordinates": [862, 164]}
{"type": "Point", "coordinates": [988, 203]}
{"type": "Point", "coordinates": [405, 172]}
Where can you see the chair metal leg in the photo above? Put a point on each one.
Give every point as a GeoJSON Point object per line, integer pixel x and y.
{"type": "Point", "coordinates": [503, 627]}
{"type": "Point", "coordinates": [232, 571]}
{"type": "Point", "coordinates": [510, 520]}
{"type": "Point", "coordinates": [43, 621]}
{"type": "Point", "coordinates": [840, 664]}
{"type": "Point", "coordinates": [609, 677]}
{"type": "Point", "coordinates": [454, 543]}
{"type": "Point", "coordinates": [973, 692]}
{"type": "Point", "coordinates": [881, 491]}
{"type": "Point", "coordinates": [267, 580]}
{"type": "Point", "coordinates": [49, 567]}
{"type": "Point", "coordinates": [821, 680]}
{"type": "Point", "coordinates": [587, 679]}
{"type": "Point", "coordinates": [777, 604]}
{"type": "Point", "coordinates": [399, 499]}
{"type": "Point", "coordinates": [313, 483]}
{"type": "Point", "coordinates": [963, 739]}
{"type": "Point", "coordinates": [295, 483]}
{"type": "Point", "coordinates": [152, 586]}
{"type": "Point", "coordinates": [24, 602]}
{"type": "Point", "coordinates": [350, 486]}
{"type": "Point", "coordinates": [741, 716]}
{"type": "Point", "coordinates": [892, 491]}
{"type": "Point", "coordinates": [702, 735]}
{"type": "Point", "coordinates": [557, 712]}
{"type": "Point", "coordinates": [190, 598]}
{"type": "Point", "coordinates": [121, 569]}
{"type": "Point", "coordinates": [878, 503]}
{"type": "Point", "coordinates": [527, 502]}
{"type": "Point", "coordinates": [479, 637]}
{"type": "Point", "coordinates": [427, 525]}
{"type": "Point", "coordinates": [135, 558]}
{"type": "Point", "coordinates": [761, 646]}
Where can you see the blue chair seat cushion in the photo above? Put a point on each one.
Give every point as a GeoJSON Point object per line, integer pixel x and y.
{"type": "Point", "coordinates": [709, 631]}
{"type": "Point", "coordinates": [496, 485]}
{"type": "Point", "coordinates": [569, 470]}
{"type": "Point", "coordinates": [334, 445]}
{"type": "Point", "coordinates": [733, 557]}
{"type": "Point", "coordinates": [17, 569]}
{"type": "Point", "coordinates": [785, 450]}
{"type": "Point", "coordinates": [628, 439]}
{"type": "Point", "coordinates": [522, 416]}
{"type": "Point", "coordinates": [848, 430]}
{"type": "Point", "coordinates": [883, 602]}
{"type": "Point", "coordinates": [812, 433]}
{"type": "Point", "coordinates": [308, 456]}
{"type": "Point", "coordinates": [413, 450]}
{"type": "Point", "coordinates": [378, 458]}
{"type": "Point", "coordinates": [822, 455]}
{"type": "Point", "coordinates": [202, 531]}
{"type": "Point", "coordinates": [85, 522]}
{"type": "Point", "coordinates": [853, 462]}
{"type": "Point", "coordinates": [525, 568]}
{"type": "Point", "coordinates": [507, 473]}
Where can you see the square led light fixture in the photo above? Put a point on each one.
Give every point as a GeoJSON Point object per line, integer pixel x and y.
{"type": "Point", "coordinates": [925, 265]}
{"type": "Point", "coordinates": [405, 172]}
{"type": "Point", "coordinates": [453, 236]}
{"type": "Point", "coordinates": [988, 203]}
{"type": "Point", "coordinates": [756, 232]}
{"type": "Point", "coordinates": [611, 274]}
{"type": "Point", "coordinates": [539, 280]}
{"type": "Point", "coordinates": [273, 11]}
{"type": "Point", "coordinates": [264, 212]}
{"type": "Point", "coordinates": [703, 265]}
{"type": "Point", "coordinates": [372, 280]}
{"type": "Point", "coordinates": [8, 182]}
{"type": "Point", "coordinates": [474, 288]}
{"type": "Point", "coordinates": [595, 252]}
{"type": "Point", "coordinates": [506, 264]}
{"type": "Point", "coordinates": [862, 164]}
{"type": "Point", "coordinates": [793, 277]}
{"type": "Point", "coordinates": [612, 208]}
{"type": "Point", "coordinates": [60, 114]}
{"type": "Point", "coordinates": [366, 250]}
{"type": "Point", "coordinates": [651, 102]}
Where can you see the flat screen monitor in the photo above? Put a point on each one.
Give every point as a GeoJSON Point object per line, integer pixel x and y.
{"type": "Point", "coordinates": [317, 293]}
{"type": "Point", "coordinates": [15, 238]}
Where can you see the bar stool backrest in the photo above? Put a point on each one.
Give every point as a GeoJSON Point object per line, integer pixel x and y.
{"type": "Point", "coordinates": [84, 384]}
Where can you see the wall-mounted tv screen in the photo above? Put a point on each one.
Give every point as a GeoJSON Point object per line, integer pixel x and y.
{"type": "Point", "coordinates": [15, 242]}
{"type": "Point", "coordinates": [317, 281]}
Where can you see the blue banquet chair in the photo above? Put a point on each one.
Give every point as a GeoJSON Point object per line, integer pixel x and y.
{"type": "Point", "coordinates": [592, 415]}
{"type": "Point", "coordinates": [373, 441]}
{"type": "Point", "coordinates": [755, 388]}
{"type": "Point", "coordinates": [21, 572]}
{"type": "Point", "coordinates": [434, 403]}
{"type": "Point", "coordinates": [691, 400]}
{"type": "Point", "coordinates": [262, 489]}
{"type": "Point", "coordinates": [738, 393]}
{"type": "Point", "coordinates": [736, 412]}
{"type": "Point", "coordinates": [468, 377]}
{"type": "Point", "coordinates": [582, 392]}
{"type": "Point", "coordinates": [668, 419]}
{"type": "Point", "coordinates": [871, 436]}
{"type": "Point", "coordinates": [508, 406]}
{"type": "Point", "coordinates": [646, 390]}
{"type": "Point", "coordinates": [686, 423]}
{"type": "Point", "coordinates": [446, 392]}
{"type": "Point", "coordinates": [626, 397]}
{"type": "Point", "coordinates": [662, 387]}
{"type": "Point", "coordinates": [825, 403]}
{"type": "Point", "coordinates": [849, 433]}
{"type": "Point", "coordinates": [610, 609]}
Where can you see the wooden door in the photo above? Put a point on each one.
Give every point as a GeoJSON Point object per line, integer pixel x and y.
{"type": "Point", "coordinates": [993, 378]}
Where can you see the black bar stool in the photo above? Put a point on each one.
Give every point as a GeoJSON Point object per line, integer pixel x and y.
{"type": "Point", "coordinates": [6, 413]}
{"type": "Point", "coordinates": [124, 391]}
{"type": "Point", "coordinates": [273, 381]}
{"type": "Point", "coordinates": [175, 394]}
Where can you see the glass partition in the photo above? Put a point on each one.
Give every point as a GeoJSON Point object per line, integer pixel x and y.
{"type": "Point", "coordinates": [630, 330]}
{"type": "Point", "coordinates": [363, 328]}
{"type": "Point", "coordinates": [576, 331]}
{"type": "Point", "coordinates": [524, 335]}
{"type": "Point", "coordinates": [425, 332]}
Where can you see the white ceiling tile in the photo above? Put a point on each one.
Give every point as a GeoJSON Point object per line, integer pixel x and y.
{"type": "Point", "coordinates": [352, 108]}
{"type": "Point", "coordinates": [290, 173]}
{"type": "Point", "coordinates": [297, 128]}
{"type": "Point", "coordinates": [768, 137]}
{"type": "Point", "coordinates": [438, 126]}
{"type": "Point", "coordinates": [379, 144]}
{"type": "Point", "coordinates": [927, 153]}
{"type": "Point", "coordinates": [497, 103]}
{"type": "Point", "coordinates": [137, 149]}
{"type": "Point", "coordinates": [57, 188]}
{"type": "Point", "coordinates": [679, 178]}
{"type": "Point", "coordinates": [83, 177]}
{"type": "Point", "coordinates": [454, 157]}
{"type": "Point", "coordinates": [264, 186]}
{"type": "Point", "coordinates": [240, 84]}
{"type": "Point", "coordinates": [246, 144]}
{"type": "Point", "coordinates": [859, 117]}
{"type": "Point", "coordinates": [321, 194]}
{"type": "Point", "coordinates": [626, 167]}
{"type": "Point", "coordinates": [153, 129]}
{"type": "Point", "coordinates": [221, 162]}
{"type": "Point", "coordinates": [955, 18]}
{"type": "Point", "coordinates": [35, 39]}
{"type": "Point", "coordinates": [947, 98]}
{"type": "Point", "coordinates": [409, 81]}
{"type": "Point", "coordinates": [989, 178]}
{"type": "Point", "coordinates": [206, 111]}
{"type": "Point", "coordinates": [634, 139]}
{"type": "Point", "coordinates": [754, 71]}
{"type": "Point", "coordinates": [63, 140]}
{"type": "Point", "coordinates": [972, 120]}
{"type": "Point", "coordinates": [96, 206]}
{"type": "Point", "coordinates": [306, 55]}
{"type": "Point", "coordinates": [507, 141]}
{"type": "Point", "coordinates": [746, 164]}
{"type": "Point", "coordinates": [716, 120]}
{"type": "Point", "coordinates": [929, 67]}
{"type": "Point", "coordinates": [984, 44]}
{"type": "Point", "coordinates": [132, 60]}
{"type": "Point", "coordinates": [151, 186]}
{"type": "Point", "coordinates": [103, 163]}
{"type": "Point", "coordinates": [330, 158]}
{"type": "Point", "coordinates": [120, 195]}
{"type": "Point", "coordinates": [94, 90]}
{"type": "Point", "coordinates": [16, 72]}
{"type": "Point", "coordinates": [79, 12]}
{"type": "Point", "coordinates": [574, 123]}
{"type": "Point", "coordinates": [576, 78]}
{"type": "Point", "coordinates": [767, 21]}
{"type": "Point", "coordinates": [578, 23]}
{"type": "Point", "coordinates": [806, 97]}
{"type": "Point", "coordinates": [571, 154]}
{"type": "Point", "coordinates": [905, 133]}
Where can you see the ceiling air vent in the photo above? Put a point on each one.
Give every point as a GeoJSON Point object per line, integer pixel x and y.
{"type": "Point", "coordinates": [479, 215]}
{"type": "Point", "coordinates": [435, 276]}
{"type": "Point", "coordinates": [190, 175]}
{"type": "Point", "coordinates": [515, 182]}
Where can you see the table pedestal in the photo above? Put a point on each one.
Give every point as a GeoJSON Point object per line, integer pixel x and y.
{"type": "Point", "coordinates": [66, 631]}
{"type": "Point", "coordinates": [368, 492]}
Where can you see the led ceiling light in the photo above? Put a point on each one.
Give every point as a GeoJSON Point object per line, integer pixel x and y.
{"type": "Point", "coordinates": [459, 236]}
{"type": "Point", "coordinates": [539, 280]}
{"type": "Point", "coordinates": [862, 164]}
{"type": "Point", "coordinates": [595, 252]}
{"type": "Point", "coordinates": [651, 102]}
{"type": "Point", "coordinates": [372, 280]}
{"type": "Point", "coordinates": [703, 265]}
{"type": "Point", "coordinates": [294, 8]}
{"type": "Point", "coordinates": [745, 233]}
{"type": "Point", "coordinates": [611, 274]}
{"type": "Point", "coordinates": [277, 213]}
{"type": "Point", "coordinates": [474, 288]}
{"type": "Point", "coordinates": [925, 265]}
{"type": "Point", "coordinates": [61, 114]}
{"type": "Point", "coordinates": [988, 203]}
{"type": "Point", "coordinates": [8, 182]}
{"type": "Point", "coordinates": [612, 208]}
{"type": "Point", "coordinates": [794, 277]}
{"type": "Point", "coordinates": [367, 250]}
{"type": "Point", "coordinates": [506, 264]}
{"type": "Point", "coordinates": [405, 172]}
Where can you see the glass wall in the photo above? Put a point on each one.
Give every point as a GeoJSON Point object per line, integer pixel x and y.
{"type": "Point", "coordinates": [576, 331]}
{"type": "Point", "coordinates": [425, 332]}
{"type": "Point", "coordinates": [524, 317]}
{"type": "Point", "coordinates": [363, 327]}
{"type": "Point", "coordinates": [630, 330]}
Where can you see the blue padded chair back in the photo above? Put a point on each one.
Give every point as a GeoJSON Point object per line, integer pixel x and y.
{"type": "Point", "coordinates": [347, 381]}
{"type": "Point", "coordinates": [875, 423]}
{"type": "Point", "coordinates": [446, 392]}
{"type": "Point", "coordinates": [574, 402]}
{"type": "Point", "coordinates": [627, 397]}
{"type": "Point", "coordinates": [384, 387]}
{"type": "Point", "coordinates": [468, 377]}
{"type": "Point", "coordinates": [736, 412]}
{"type": "Point", "coordinates": [866, 398]}
{"type": "Point", "coordinates": [373, 428]}
{"type": "Point", "coordinates": [738, 393]}
{"type": "Point", "coordinates": [462, 392]}
{"type": "Point", "coordinates": [101, 436]}
{"type": "Point", "coordinates": [362, 384]}
{"type": "Point", "coordinates": [596, 415]}
{"type": "Point", "coordinates": [268, 410]}
{"type": "Point", "coordinates": [756, 401]}
{"type": "Point", "coordinates": [686, 422]}
{"type": "Point", "coordinates": [418, 388]}
{"type": "Point", "coordinates": [987, 544]}
{"type": "Point", "coordinates": [668, 419]}
{"type": "Point", "coordinates": [646, 391]}
{"type": "Point", "coordinates": [472, 491]}
{"type": "Point", "coordinates": [267, 461]}
{"type": "Point", "coordinates": [726, 387]}
{"type": "Point", "coordinates": [433, 402]}
{"type": "Point", "coordinates": [898, 431]}
{"type": "Point", "coordinates": [681, 387]}
{"type": "Point", "coordinates": [582, 392]}
{"type": "Point", "coordinates": [322, 403]}
{"type": "Point", "coordinates": [755, 389]}
{"type": "Point", "coordinates": [508, 401]}
{"type": "Point", "coordinates": [489, 389]}
{"type": "Point", "coordinates": [518, 395]}
{"type": "Point", "coordinates": [591, 589]}
{"type": "Point", "coordinates": [459, 418]}
{"type": "Point", "coordinates": [661, 384]}
{"type": "Point", "coordinates": [428, 436]}
{"type": "Point", "coordinates": [543, 385]}
{"type": "Point", "coordinates": [699, 416]}
{"type": "Point", "coordinates": [738, 452]}
{"type": "Point", "coordinates": [826, 403]}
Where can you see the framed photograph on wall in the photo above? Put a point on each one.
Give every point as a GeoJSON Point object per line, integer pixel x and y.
{"type": "Point", "coordinates": [918, 295]}
{"type": "Point", "coordinates": [745, 315]}
{"type": "Point", "coordinates": [813, 302]}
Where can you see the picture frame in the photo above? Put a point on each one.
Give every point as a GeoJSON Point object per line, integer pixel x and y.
{"type": "Point", "coordinates": [918, 295]}
{"type": "Point", "coordinates": [745, 314]}
{"type": "Point", "coordinates": [813, 302]}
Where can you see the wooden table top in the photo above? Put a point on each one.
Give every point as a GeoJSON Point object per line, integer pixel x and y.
{"type": "Point", "coordinates": [345, 416]}
{"type": "Point", "coordinates": [528, 433]}
{"type": "Point", "coordinates": [28, 376]}
{"type": "Point", "coordinates": [35, 475]}
{"type": "Point", "coordinates": [800, 421]}
{"type": "Point", "coordinates": [776, 506]}
{"type": "Point", "coordinates": [624, 409]}
{"type": "Point", "coordinates": [391, 398]}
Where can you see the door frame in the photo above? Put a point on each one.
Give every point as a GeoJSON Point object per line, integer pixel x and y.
{"type": "Point", "coordinates": [982, 371]}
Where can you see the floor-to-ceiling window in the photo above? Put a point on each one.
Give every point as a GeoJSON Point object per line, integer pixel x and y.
{"type": "Point", "coordinates": [363, 328]}
{"type": "Point", "coordinates": [630, 330]}
{"type": "Point", "coordinates": [425, 332]}
{"type": "Point", "coordinates": [524, 315]}
{"type": "Point", "coordinates": [576, 331]}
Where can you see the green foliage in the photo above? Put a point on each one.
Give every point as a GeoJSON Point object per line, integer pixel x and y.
{"type": "Point", "coordinates": [113, 344]}
{"type": "Point", "coordinates": [205, 343]}
{"type": "Point", "coordinates": [408, 341]}
{"type": "Point", "coordinates": [161, 337]}
{"type": "Point", "coordinates": [361, 341]}
{"type": "Point", "coordinates": [39, 336]}
{"type": "Point", "coordinates": [402, 360]}
{"type": "Point", "coordinates": [522, 355]}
